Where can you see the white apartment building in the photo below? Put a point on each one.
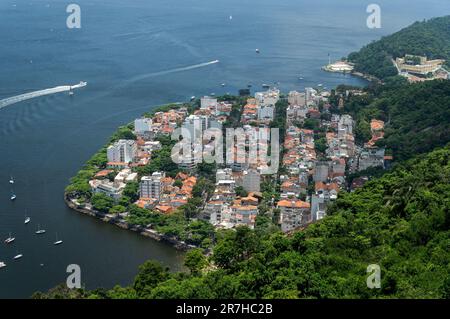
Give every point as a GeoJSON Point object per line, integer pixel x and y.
{"type": "Point", "coordinates": [123, 151]}
{"type": "Point", "coordinates": [143, 126]}
{"type": "Point", "coordinates": [270, 97]}
{"type": "Point", "coordinates": [208, 102]}
{"type": "Point", "coordinates": [151, 186]}
{"type": "Point", "coordinates": [197, 124]}
{"type": "Point", "coordinates": [113, 190]}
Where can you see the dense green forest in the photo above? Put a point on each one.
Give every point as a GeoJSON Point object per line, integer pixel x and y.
{"type": "Point", "coordinates": [429, 38]}
{"type": "Point", "coordinates": [417, 116]}
{"type": "Point", "coordinates": [399, 221]}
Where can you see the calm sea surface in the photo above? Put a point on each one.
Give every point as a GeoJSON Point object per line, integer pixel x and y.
{"type": "Point", "coordinates": [136, 54]}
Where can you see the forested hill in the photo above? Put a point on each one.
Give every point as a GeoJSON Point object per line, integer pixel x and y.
{"type": "Point", "coordinates": [399, 222]}
{"type": "Point", "coordinates": [430, 38]}
{"type": "Point", "coordinates": [417, 116]}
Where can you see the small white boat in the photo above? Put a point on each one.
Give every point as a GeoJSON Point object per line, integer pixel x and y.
{"type": "Point", "coordinates": [40, 231]}
{"type": "Point", "coordinates": [257, 50]}
{"type": "Point", "coordinates": [13, 196]}
{"type": "Point", "coordinates": [18, 256]}
{"type": "Point", "coordinates": [27, 220]}
{"type": "Point", "coordinates": [2, 265]}
{"type": "Point", "coordinates": [223, 84]}
{"type": "Point", "coordinates": [11, 180]}
{"type": "Point", "coordinates": [57, 242]}
{"type": "Point", "coordinates": [10, 239]}
{"type": "Point", "coordinates": [192, 97]}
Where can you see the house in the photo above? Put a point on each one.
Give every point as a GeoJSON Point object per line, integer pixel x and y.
{"type": "Point", "coordinates": [294, 214]}
{"type": "Point", "coordinates": [110, 189]}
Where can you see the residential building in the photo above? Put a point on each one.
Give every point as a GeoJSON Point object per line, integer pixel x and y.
{"type": "Point", "coordinates": [151, 186]}
{"type": "Point", "coordinates": [111, 189]}
{"type": "Point", "coordinates": [297, 98]}
{"type": "Point", "coordinates": [294, 214]}
{"type": "Point", "coordinates": [208, 102]}
{"type": "Point", "coordinates": [251, 180]}
{"type": "Point", "coordinates": [143, 126]}
{"type": "Point", "coordinates": [122, 151]}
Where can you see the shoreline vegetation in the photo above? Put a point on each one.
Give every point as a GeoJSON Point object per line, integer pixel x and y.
{"type": "Point", "coordinates": [123, 224]}
{"type": "Point", "coordinates": [174, 229]}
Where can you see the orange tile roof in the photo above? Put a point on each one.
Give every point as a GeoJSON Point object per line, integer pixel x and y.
{"type": "Point", "coordinates": [293, 204]}
{"type": "Point", "coordinates": [376, 124]}
{"type": "Point", "coordinates": [164, 209]}
{"type": "Point", "coordinates": [103, 173]}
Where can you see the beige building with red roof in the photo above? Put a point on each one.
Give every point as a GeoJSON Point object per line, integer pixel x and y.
{"type": "Point", "coordinates": [294, 214]}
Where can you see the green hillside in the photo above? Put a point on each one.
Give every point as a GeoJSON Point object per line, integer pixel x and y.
{"type": "Point", "coordinates": [417, 116]}
{"type": "Point", "coordinates": [400, 222]}
{"type": "Point", "coordinates": [430, 38]}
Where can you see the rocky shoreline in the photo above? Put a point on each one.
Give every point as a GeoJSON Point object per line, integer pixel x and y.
{"type": "Point", "coordinates": [121, 223]}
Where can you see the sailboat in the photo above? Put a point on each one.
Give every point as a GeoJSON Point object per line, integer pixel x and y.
{"type": "Point", "coordinates": [40, 231]}
{"type": "Point", "coordinates": [10, 239]}
{"type": "Point", "coordinates": [57, 242]}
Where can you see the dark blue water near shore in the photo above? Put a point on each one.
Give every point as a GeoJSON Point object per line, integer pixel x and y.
{"type": "Point", "coordinates": [130, 52]}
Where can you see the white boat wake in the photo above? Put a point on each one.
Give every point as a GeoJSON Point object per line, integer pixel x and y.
{"type": "Point", "coordinates": [31, 95]}
{"type": "Point", "coordinates": [186, 68]}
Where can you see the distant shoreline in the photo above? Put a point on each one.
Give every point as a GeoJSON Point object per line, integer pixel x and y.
{"type": "Point", "coordinates": [368, 77]}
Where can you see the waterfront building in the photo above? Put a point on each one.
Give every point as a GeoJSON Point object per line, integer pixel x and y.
{"type": "Point", "coordinates": [208, 102]}
{"type": "Point", "coordinates": [110, 189]}
{"type": "Point", "coordinates": [268, 98]}
{"type": "Point", "coordinates": [143, 126]}
{"type": "Point", "coordinates": [122, 151]}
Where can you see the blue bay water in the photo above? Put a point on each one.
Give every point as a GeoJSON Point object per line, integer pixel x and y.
{"type": "Point", "coordinates": [136, 54]}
